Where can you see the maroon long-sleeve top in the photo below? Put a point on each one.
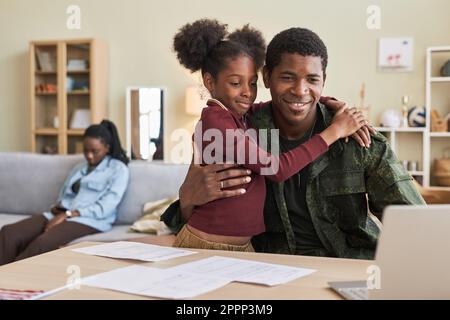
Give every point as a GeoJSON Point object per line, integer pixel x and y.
{"type": "Point", "coordinates": [243, 215]}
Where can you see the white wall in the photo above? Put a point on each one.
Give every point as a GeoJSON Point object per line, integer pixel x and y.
{"type": "Point", "coordinates": [139, 34]}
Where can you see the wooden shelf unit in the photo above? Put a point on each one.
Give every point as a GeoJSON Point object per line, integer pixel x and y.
{"type": "Point", "coordinates": [52, 112]}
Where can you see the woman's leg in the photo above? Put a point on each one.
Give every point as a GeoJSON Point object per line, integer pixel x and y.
{"type": "Point", "coordinates": [14, 238]}
{"type": "Point", "coordinates": [56, 237]}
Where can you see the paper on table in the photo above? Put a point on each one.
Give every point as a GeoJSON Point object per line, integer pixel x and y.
{"type": "Point", "coordinates": [134, 250]}
{"type": "Point", "coordinates": [244, 270]}
{"type": "Point", "coordinates": [154, 282]}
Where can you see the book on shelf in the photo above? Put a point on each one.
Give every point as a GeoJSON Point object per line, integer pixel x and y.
{"type": "Point", "coordinates": [77, 85]}
{"type": "Point", "coordinates": [46, 62]}
{"type": "Point", "coordinates": [77, 65]}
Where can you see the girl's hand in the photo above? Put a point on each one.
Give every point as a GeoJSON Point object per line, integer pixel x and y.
{"type": "Point", "coordinates": [362, 136]}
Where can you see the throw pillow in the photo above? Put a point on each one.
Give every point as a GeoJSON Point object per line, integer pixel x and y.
{"type": "Point", "coordinates": [150, 220]}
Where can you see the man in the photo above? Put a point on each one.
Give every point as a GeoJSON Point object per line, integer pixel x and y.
{"type": "Point", "coordinates": [323, 209]}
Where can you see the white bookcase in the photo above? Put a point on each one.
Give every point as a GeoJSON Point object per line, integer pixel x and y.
{"type": "Point", "coordinates": [408, 144]}
{"type": "Point", "coordinates": [420, 144]}
{"type": "Point", "coordinates": [437, 97]}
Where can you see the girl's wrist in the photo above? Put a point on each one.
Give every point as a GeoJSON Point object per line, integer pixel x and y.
{"type": "Point", "coordinates": [330, 135]}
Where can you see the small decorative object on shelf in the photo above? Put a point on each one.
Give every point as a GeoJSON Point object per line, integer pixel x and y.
{"type": "Point", "coordinates": [405, 164]}
{"type": "Point", "coordinates": [362, 107]}
{"type": "Point", "coordinates": [413, 165]}
{"type": "Point", "coordinates": [438, 124]}
{"type": "Point", "coordinates": [46, 88]}
{"type": "Point", "coordinates": [417, 117]}
{"type": "Point", "coordinates": [80, 119]}
{"type": "Point", "coordinates": [405, 100]}
{"type": "Point", "coordinates": [391, 118]}
{"type": "Point", "coordinates": [441, 169]}
{"type": "Point", "coordinates": [445, 70]}
{"type": "Point", "coordinates": [55, 122]}
{"type": "Point", "coordinates": [49, 149]}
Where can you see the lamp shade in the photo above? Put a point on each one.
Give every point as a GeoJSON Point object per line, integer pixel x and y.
{"type": "Point", "coordinates": [194, 100]}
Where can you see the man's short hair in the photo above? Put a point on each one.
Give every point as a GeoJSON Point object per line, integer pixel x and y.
{"type": "Point", "coordinates": [296, 40]}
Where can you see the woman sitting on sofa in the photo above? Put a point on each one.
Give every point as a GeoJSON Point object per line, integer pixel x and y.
{"type": "Point", "coordinates": [87, 202]}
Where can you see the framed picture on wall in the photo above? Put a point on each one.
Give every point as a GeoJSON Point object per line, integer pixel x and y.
{"type": "Point", "coordinates": [395, 54]}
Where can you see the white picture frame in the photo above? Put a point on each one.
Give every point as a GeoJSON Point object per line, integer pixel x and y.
{"type": "Point", "coordinates": [395, 54]}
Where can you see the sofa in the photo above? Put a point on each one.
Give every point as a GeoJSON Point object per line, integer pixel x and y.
{"type": "Point", "coordinates": [30, 184]}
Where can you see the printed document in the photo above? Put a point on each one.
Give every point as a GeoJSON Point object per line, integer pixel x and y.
{"type": "Point", "coordinates": [154, 282]}
{"type": "Point", "coordinates": [134, 250]}
{"type": "Point", "coordinates": [244, 270]}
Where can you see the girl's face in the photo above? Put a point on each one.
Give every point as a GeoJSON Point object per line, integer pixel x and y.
{"type": "Point", "coordinates": [235, 85]}
{"type": "Point", "coordinates": [94, 150]}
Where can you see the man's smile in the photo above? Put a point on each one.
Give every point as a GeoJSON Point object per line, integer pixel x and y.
{"type": "Point", "coordinates": [298, 106]}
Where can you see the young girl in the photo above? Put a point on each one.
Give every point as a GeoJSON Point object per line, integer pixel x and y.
{"type": "Point", "coordinates": [229, 64]}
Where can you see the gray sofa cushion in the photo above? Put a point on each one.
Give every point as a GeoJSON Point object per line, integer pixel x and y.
{"type": "Point", "coordinates": [30, 183]}
{"type": "Point", "coordinates": [7, 218]}
{"type": "Point", "coordinates": [149, 181]}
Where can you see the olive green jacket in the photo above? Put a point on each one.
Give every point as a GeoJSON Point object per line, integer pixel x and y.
{"type": "Point", "coordinates": [343, 183]}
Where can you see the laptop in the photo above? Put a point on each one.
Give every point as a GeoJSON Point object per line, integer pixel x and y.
{"type": "Point", "coordinates": [412, 260]}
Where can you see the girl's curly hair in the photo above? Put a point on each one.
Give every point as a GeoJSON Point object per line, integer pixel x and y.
{"type": "Point", "coordinates": [206, 45]}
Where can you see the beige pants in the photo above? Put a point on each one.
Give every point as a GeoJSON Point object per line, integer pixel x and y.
{"type": "Point", "coordinates": [186, 239]}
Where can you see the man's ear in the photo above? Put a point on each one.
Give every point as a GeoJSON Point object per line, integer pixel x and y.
{"type": "Point", "coordinates": [208, 81]}
{"type": "Point", "coordinates": [266, 76]}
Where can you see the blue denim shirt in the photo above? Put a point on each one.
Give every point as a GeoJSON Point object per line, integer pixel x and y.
{"type": "Point", "coordinates": [100, 193]}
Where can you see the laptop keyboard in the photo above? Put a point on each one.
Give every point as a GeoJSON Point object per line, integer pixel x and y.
{"type": "Point", "coordinates": [360, 293]}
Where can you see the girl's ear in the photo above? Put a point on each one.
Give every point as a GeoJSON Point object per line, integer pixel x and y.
{"type": "Point", "coordinates": [208, 81]}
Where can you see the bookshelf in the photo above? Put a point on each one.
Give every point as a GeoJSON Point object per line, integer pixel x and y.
{"type": "Point", "coordinates": [422, 144]}
{"type": "Point", "coordinates": [437, 98]}
{"type": "Point", "coordinates": [68, 82]}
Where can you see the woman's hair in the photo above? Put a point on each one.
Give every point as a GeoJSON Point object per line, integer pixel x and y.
{"type": "Point", "coordinates": [206, 45]}
{"type": "Point", "coordinates": [106, 131]}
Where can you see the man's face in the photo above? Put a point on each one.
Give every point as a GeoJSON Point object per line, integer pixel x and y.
{"type": "Point", "coordinates": [296, 85]}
